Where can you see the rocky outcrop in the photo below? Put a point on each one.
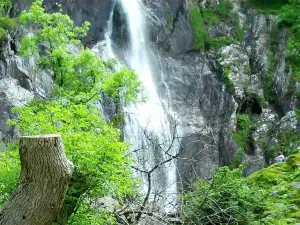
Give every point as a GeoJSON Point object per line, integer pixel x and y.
{"type": "Point", "coordinates": [194, 83]}
{"type": "Point", "coordinates": [20, 82]}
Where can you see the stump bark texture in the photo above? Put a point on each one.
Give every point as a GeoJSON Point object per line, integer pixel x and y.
{"type": "Point", "coordinates": [45, 174]}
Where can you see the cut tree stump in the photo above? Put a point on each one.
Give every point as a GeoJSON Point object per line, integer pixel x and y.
{"type": "Point", "coordinates": [44, 178]}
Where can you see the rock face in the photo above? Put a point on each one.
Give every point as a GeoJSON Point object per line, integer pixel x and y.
{"type": "Point", "coordinates": [19, 83]}
{"type": "Point", "coordinates": [197, 94]}
{"type": "Point", "coordinates": [97, 12]}
{"type": "Point", "coordinates": [189, 82]}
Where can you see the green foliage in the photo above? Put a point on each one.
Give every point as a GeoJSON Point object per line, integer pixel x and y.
{"type": "Point", "coordinates": [290, 16]}
{"type": "Point", "coordinates": [268, 80]}
{"type": "Point", "coordinates": [227, 199]}
{"type": "Point", "coordinates": [228, 83]}
{"type": "Point", "coordinates": [88, 215]}
{"type": "Point", "coordinates": [279, 182]}
{"type": "Point", "coordinates": [217, 43]}
{"type": "Point", "coordinates": [92, 145]}
{"type": "Point", "coordinates": [126, 84]}
{"type": "Point", "coordinates": [79, 73]}
{"type": "Point", "coordinates": [200, 34]}
{"type": "Point", "coordinates": [268, 87]}
{"type": "Point", "coordinates": [269, 196]}
{"type": "Point", "coordinates": [241, 136]}
{"type": "Point", "coordinates": [236, 161]}
{"type": "Point", "coordinates": [239, 31]}
{"type": "Point", "coordinates": [9, 168]}
{"type": "Point", "coordinates": [102, 163]}
{"type": "Point", "coordinates": [220, 11]}
{"type": "Point", "coordinates": [287, 142]}
{"type": "Point", "coordinates": [203, 18]}
{"type": "Point", "coordinates": [298, 114]}
{"type": "Point", "coordinates": [57, 29]}
{"type": "Point", "coordinates": [266, 6]}
{"type": "Point", "coordinates": [6, 23]}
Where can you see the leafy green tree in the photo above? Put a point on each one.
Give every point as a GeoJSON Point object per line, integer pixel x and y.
{"type": "Point", "coordinates": [78, 72]}
{"type": "Point", "coordinates": [6, 23]}
{"type": "Point", "coordinates": [102, 164]}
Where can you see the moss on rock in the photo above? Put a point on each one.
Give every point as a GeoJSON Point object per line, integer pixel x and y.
{"type": "Point", "coordinates": [281, 184]}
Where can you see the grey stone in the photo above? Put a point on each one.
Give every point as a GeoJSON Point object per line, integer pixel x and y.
{"type": "Point", "coordinates": [295, 185]}
{"type": "Point", "coordinates": [106, 203]}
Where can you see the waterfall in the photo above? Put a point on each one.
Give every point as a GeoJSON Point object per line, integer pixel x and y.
{"type": "Point", "coordinates": [149, 128]}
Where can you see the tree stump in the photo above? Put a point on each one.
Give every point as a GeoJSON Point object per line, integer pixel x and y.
{"type": "Point", "coordinates": [45, 174]}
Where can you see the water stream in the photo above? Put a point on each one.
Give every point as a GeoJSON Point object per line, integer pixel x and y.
{"type": "Point", "coordinates": [149, 127]}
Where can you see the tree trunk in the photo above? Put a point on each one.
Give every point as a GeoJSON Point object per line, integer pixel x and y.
{"type": "Point", "coordinates": [45, 174]}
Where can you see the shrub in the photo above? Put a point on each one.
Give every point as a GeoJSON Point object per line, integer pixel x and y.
{"type": "Point", "coordinates": [6, 23]}
{"type": "Point", "coordinates": [227, 199]}
{"type": "Point", "coordinates": [266, 6]}
{"type": "Point", "coordinates": [228, 83]}
{"type": "Point", "coordinates": [241, 136]}
{"type": "Point", "coordinates": [237, 158]}
{"type": "Point", "coordinates": [199, 31]}
{"type": "Point", "coordinates": [9, 171]}
{"type": "Point", "coordinates": [203, 18]}
{"type": "Point", "coordinates": [217, 43]}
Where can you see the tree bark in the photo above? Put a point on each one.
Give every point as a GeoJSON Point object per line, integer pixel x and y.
{"type": "Point", "coordinates": [45, 174]}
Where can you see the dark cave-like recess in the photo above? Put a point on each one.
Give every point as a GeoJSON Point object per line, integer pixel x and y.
{"type": "Point", "coordinates": [251, 106]}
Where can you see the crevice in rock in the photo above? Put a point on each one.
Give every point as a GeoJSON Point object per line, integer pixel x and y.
{"type": "Point", "coordinates": [13, 46]}
{"type": "Point", "coordinates": [251, 106]}
{"type": "Point", "coordinates": [176, 18]}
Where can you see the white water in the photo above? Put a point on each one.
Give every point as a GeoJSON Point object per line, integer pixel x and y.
{"type": "Point", "coordinates": [147, 122]}
{"type": "Point", "coordinates": [149, 118]}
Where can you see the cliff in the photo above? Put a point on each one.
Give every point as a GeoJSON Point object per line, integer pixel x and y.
{"type": "Point", "coordinates": [236, 68]}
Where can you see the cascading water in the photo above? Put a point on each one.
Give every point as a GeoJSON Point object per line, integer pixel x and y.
{"type": "Point", "coordinates": [149, 128]}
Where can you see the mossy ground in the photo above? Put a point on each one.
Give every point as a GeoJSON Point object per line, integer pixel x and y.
{"type": "Point", "coordinates": [281, 184]}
